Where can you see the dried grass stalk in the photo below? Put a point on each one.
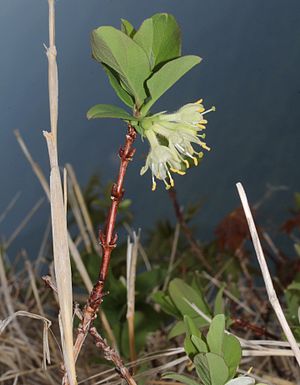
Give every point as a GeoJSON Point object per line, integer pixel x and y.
{"type": "Point", "coordinates": [132, 254]}
{"type": "Point", "coordinates": [62, 264]}
{"type": "Point", "coordinates": [266, 274]}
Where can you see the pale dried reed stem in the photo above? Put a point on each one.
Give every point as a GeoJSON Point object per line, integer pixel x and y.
{"type": "Point", "coordinates": [62, 263]}
{"type": "Point", "coordinates": [266, 274]}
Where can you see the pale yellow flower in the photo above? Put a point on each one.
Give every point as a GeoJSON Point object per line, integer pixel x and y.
{"type": "Point", "coordinates": [171, 138]}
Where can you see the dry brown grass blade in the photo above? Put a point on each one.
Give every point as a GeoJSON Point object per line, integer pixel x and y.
{"type": "Point", "coordinates": [24, 222]}
{"type": "Point", "coordinates": [266, 274]}
{"type": "Point", "coordinates": [132, 254]}
{"type": "Point", "coordinates": [172, 257]}
{"type": "Point", "coordinates": [9, 206]}
{"type": "Point", "coordinates": [83, 207]}
{"type": "Point", "coordinates": [78, 218]}
{"type": "Point", "coordinates": [62, 263]}
{"type": "Point", "coordinates": [47, 323]}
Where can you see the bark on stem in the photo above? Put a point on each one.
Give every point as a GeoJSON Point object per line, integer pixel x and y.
{"type": "Point", "coordinates": [108, 240]}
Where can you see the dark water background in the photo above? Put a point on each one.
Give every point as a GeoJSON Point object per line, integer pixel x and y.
{"type": "Point", "coordinates": [250, 71]}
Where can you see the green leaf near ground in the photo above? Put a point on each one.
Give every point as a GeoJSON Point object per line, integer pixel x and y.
{"type": "Point", "coordinates": [217, 369]}
{"type": "Point", "coordinates": [202, 368]}
{"type": "Point", "coordinates": [117, 50]}
{"type": "Point", "coordinates": [215, 334]}
{"type": "Point", "coordinates": [181, 293]}
{"type": "Point", "coordinates": [200, 344]}
{"type": "Point", "coordinates": [232, 353]}
{"type": "Point", "coordinates": [191, 328]}
{"type": "Point", "coordinates": [166, 304]}
{"type": "Point", "coordinates": [180, 328]}
{"type": "Point", "coordinates": [108, 111]}
{"type": "Point", "coordinates": [219, 303]}
{"type": "Point", "coordinates": [166, 77]}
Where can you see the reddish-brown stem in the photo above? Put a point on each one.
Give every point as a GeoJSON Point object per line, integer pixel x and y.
{"type": "Point", "coordinates": [108, 240]}
{"type": "Point", "coordinates": [109, 353]}
{"type": "Point", "coordinates": [186, 230]}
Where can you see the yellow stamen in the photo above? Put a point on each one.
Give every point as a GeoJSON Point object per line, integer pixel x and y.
{"type": "Point", "coordinates": [153, 185]}
{"type": "Point", "coordinates": [199, 101]}
{"type": "Point", "coordinates": [202, 109]}
{"type": "Point", "coordinates": [203, 145]}
{"type": "Point", "coordinates": [201, 126]}
{"type": "Point", "coordinates": [186, 163]}
{"type": "Point", "coordinates": [213, 108]}
{"type": "Point", "coordinates": [167, 185]}
{"type": "Point", "coordinates": [203, 121]}
{"type": "Point", "coordinates": [200, 155]}
{"type": "Point", "coordinates": [171, 179]}
{"type": "Point", "coordinates": [195, 161]}
{"type": "Point", "coordinates": [177, 171]}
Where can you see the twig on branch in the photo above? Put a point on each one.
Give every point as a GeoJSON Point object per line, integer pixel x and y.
{"type": "Point", "coordinates": [195, 247]}
{"type": "Point", "coordinates": [108, 240]}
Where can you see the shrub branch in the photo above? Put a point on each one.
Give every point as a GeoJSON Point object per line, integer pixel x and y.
{"type": "Point", "coordinates": [108, 241]}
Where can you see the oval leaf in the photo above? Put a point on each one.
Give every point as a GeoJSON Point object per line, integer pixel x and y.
{"type": "Point", "coordinates": [159, 36]}
{"type": "Point", "coordinates": [232, 353]}
{"type": "Point", "coordinates": [115, 49]}
{"type": "Point", "coordinates": [180, 293]}
{"type": "Point", "coordinates": [114, 80]}
{"type": "Point", "coordinates": [166, 76]}
{"type": "Point", "coordinates": [217, 369]}
{"type": "Point", "coordinates": [215, 334]}
{"type": "Point", "coordinates": [108, 111]}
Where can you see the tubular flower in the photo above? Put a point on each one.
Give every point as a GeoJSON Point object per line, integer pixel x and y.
{"type": "Point", "coordinates": [178, 131]}
{"type": "Point", "coordinates": [160, 160]}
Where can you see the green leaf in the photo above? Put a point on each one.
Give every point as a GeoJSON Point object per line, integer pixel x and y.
{"type": "Point", "coordinates": [215, 334]}
{"type": "Point", "coordinates": [115, 49]}
{"type": "Point", "coordinates": [180, 328]}
{"type": "Point", "coordinates": [200, 344]}
{"type": "Point", "coordinates": [127, 28]}
{"type": "Point", "coordinates": [181, 378]}
{"type": "Point", "coordinates": [144, 38]}
{"type": "Point", "coordinates": [232, 354]}
{"type": "Point", "coordinates": [166, 76]}
{"type": "Point", "coordinates": [189, 347]}
{"type": "Point", "coordinates": [166, 304]}
{"type": "Point", "coordinates": [217, 369]}
{"type": "Point", "coordinates": [191, 328]}
{"type": "Point", "coordinates": [219, 305]}
{"type": "Point", "coordinates": [108, 111]}
{"type": "Point", "coordinates": [159, 36]}
{"type": "Point", "coordinates": [166, 38]}
{"type": "Point", "coordinates": [177, 330]}
{"type": "Point", "coordinates": [202, 368]}
{"type": "Point", "coordinates": [180, 293]}
{"type": "Point", "coordinates": [114, 80]}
